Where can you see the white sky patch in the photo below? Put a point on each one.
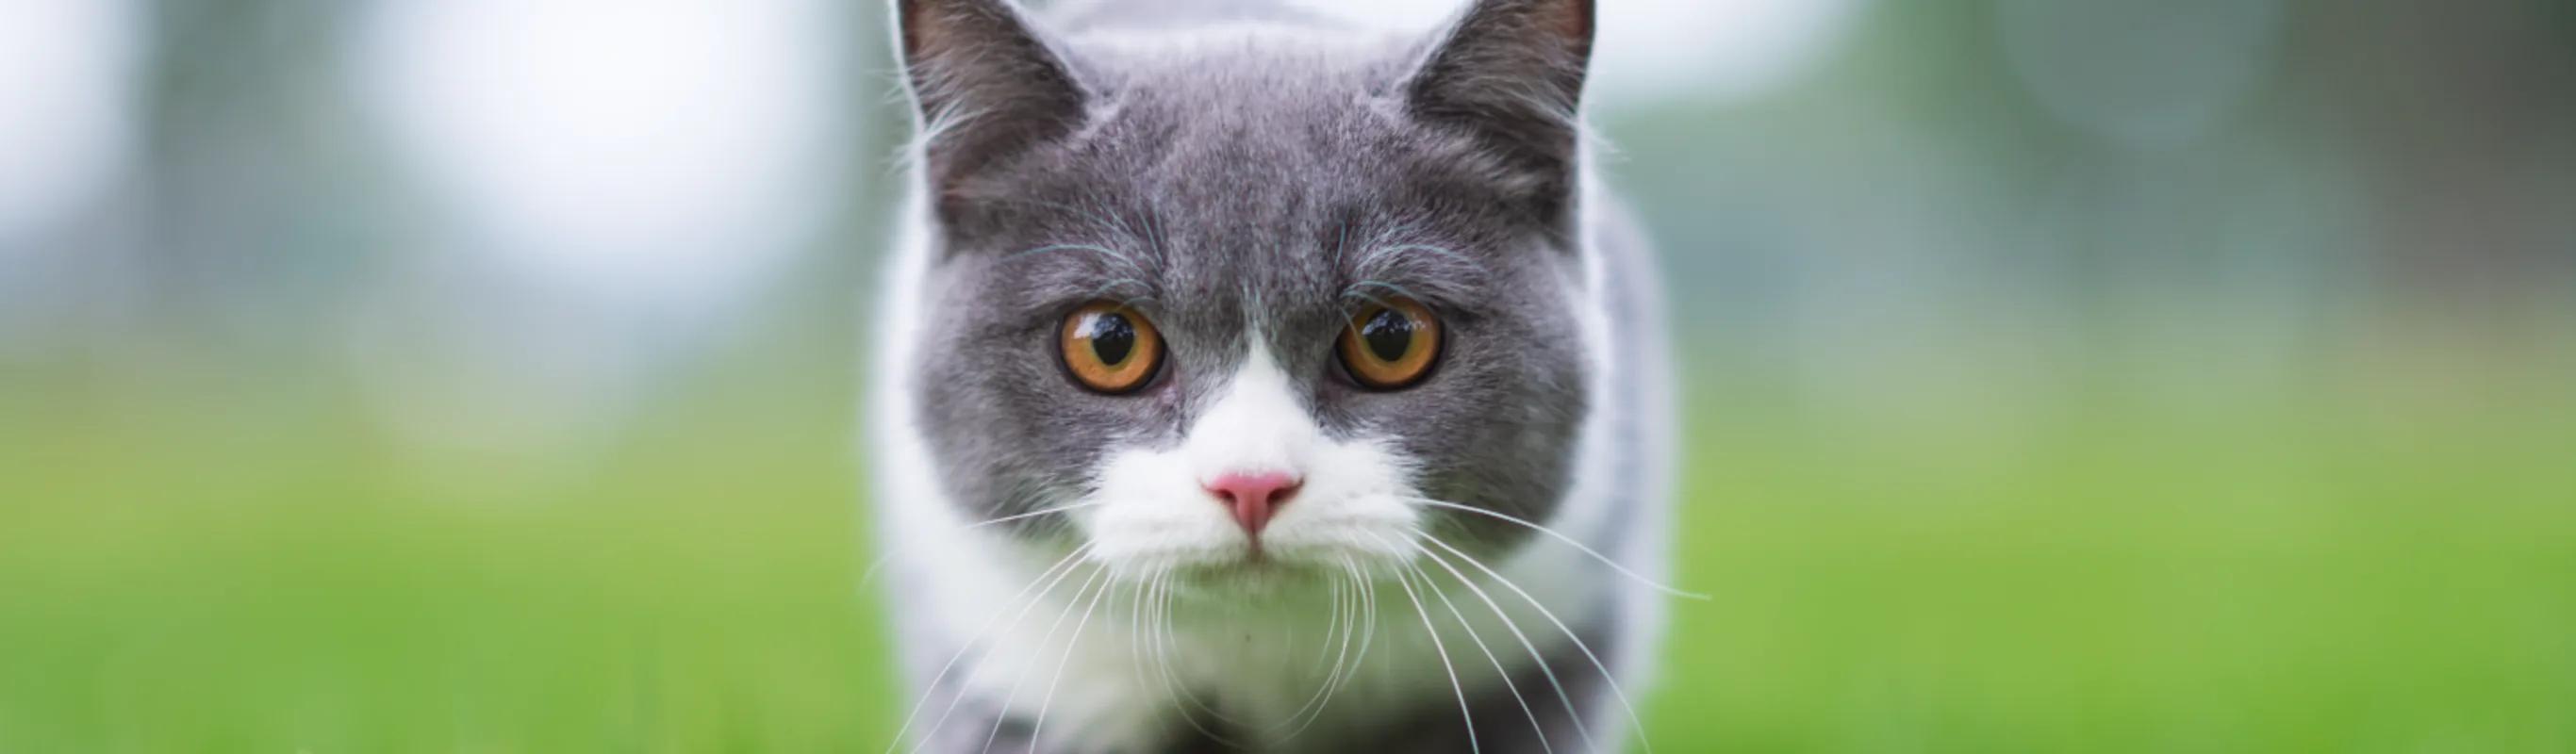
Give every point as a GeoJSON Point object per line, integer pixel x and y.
{"type": "Point", "coordinates": [66, 108]}
{"type": "Point", "coordinates": [1663, 50]}
{"type": "Point", "coordinates": [661, 147]}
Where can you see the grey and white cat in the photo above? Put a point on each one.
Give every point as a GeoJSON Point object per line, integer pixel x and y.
{"type": "Point", "coordinates": [1249, 382]}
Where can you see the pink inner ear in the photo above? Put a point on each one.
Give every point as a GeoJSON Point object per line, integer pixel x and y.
{"type": "Point", "coordinates": [935, 28]}
{"type": "Point", "coordinates": [927, 34]}
{"type": "Point", "coordinates": [1571, 19]}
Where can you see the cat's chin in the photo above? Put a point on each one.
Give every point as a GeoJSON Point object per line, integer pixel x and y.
{"type": "Point", "coordinates": [1257, 576]}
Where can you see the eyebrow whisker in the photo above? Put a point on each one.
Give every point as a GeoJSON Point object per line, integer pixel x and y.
{"type": "Point", "coordinates": [1358, 291]}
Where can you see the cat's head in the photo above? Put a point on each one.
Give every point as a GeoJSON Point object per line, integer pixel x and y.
{"type": "Point", "coordinates": [1245, 303]}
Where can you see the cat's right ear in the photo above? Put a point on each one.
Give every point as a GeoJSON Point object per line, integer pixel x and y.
{"type": "Point", "coordinates": [1511, 72]}
{"type": "Point", "coordinates": [986, 85]}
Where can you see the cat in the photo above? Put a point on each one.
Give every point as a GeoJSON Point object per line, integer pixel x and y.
{"type": "Point", "coordinates": [1250, 382]}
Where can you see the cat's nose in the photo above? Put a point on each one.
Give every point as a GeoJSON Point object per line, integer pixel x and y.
{"type": "Point", "coordinates": [1253, 496]}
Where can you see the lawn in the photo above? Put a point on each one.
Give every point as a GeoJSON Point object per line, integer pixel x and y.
{"type": "Point", "coordinates": [181, 574]}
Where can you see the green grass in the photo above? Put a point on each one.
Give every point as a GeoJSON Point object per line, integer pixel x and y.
{"type": "Point", "coordinates": [2103, 578]}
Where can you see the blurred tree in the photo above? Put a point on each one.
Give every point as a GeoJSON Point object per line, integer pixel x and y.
{"type": "Point", "coordinates": [2459, 117]}
{"type": "Point", "coordinates": [265, 194]}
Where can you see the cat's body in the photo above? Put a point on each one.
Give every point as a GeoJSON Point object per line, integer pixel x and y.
{"type": "Point", "coordinates": [1078, 565]}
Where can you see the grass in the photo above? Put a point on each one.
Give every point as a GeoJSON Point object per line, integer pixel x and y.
{"type": "Point", "coordinates": [177, 576]}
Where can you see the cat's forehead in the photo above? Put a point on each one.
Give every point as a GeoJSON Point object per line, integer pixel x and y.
{"type": "Point", "coordinates": [1230, 167]}
{"type": "Point", "coordinates": [1233, 114]}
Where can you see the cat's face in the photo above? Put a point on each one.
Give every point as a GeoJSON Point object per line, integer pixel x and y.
{"type": "Point", "coordinates": [1251, 310]}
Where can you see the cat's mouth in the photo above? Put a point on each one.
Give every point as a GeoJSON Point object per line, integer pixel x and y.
{"type": "Point", "coordinates": [1256, 572]}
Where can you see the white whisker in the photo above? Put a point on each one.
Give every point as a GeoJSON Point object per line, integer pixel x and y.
{"type": "Point", "coordinates": [1345, 611]}
{"type": "Point", "coordinates": [869, 577]}
{"type": "Point", "coordinates": [1136, 632]}
{"type": "Point", "coordinates": [1454, 686]}
{"type": "Point", "coordinates": [1605, 560]}
{"type": "Point", "coordinates": [1499, 670]}
{"type": "Point", "coordinates": [1034, 514]}
{"type": "Point", "coordinates": [1023, 677]}
{"type": "Point", "coordinates": [1070, 644]}
{"type": "Point", "coordinates": [1368, 604]}
{"type": "Point", "coordinates": [969, 645]}
{"type": "Point", "coordinates": [1532, 647]}
{"type": "Point", "coordinates": [1607, 677]}
{"type": "Point", "coordinates": [1324, 649]}
{"type": "Point", "coordinates": [1070, 564]}
{"type": "Point", "coordinates": [1180, 691]}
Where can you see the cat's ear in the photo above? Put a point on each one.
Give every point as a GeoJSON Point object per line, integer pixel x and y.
{"type": "Point", "coordinates": [1512, 72]}
{"type": "Point", "coordinates": [987, 84]}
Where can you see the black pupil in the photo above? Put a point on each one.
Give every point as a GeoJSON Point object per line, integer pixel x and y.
{"type": "Point", "coordinates": [1113, 338]}
{"type": "Point", "coordinates": [1389, 335]}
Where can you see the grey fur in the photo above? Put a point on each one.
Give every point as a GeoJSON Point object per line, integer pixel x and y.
{"type": "Point", "coordinates": [1267, 191]}
{"type": "Point", "coordinates": [1264, 185]}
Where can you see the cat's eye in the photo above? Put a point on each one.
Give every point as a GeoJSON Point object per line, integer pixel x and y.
{"type": "Point", "coordinates": [1392, 345]}
{"type": "Point", "coordinates": [1111, 348]}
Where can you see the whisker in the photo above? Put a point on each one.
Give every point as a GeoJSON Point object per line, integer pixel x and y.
{"type": "Point", "coordinates": [969, 644]}
{"type": "Point", "coordinates": [1368, 623]}
{"type": "Point", "coordinates": [1332, 619]}
{"type": "Point", "coordinates": [1605, 560]}
{"type": "Point", "coordinates": [1390, 233]}
{"type": "Point", "coordinates": [1357, 291]}
{"type": "Point", "coordinates": [1153, 222]}
{"type": "Point", "coordinates": [1031, 604]}
{"type": "Point", "coordinates": [1070, 644]}
{"type": "Point", "coordinates": [1102, 250]}
{"type": "Point", "coordinates": [1023, 677]}
{"type": "Point", "coordinates": [1182, 691]}
{"type": "Point", "coordinates": [1364, 596]}
{"type": "Point", "coordinates": [1341, 240]}
{"type": "Point", "coordinates": [1452, 255]}
{"type": "Point", "coordinates": [1499, 670]}
{"type": "Point", "coordinates": [1454, 686]}
{"type": "Point", "coordinates": [1345, 604]}
{"type": "Point", "coordinates": [1086, 214]}
{"type": "Point", "coordinates": [1608, 678]}
{"type": "Point", "coordinates": [1526, 644]}
{"type": "Point", "coordinates": [869, 577]}
{"type": "Point", "coordinates": [1136, 631]}
{"type": "Point", "coordinates": [1035, 514]}
{"type": "Point", "coordinates": [1104, 289]}
{"type": "Point", "coordinates": [1368, 611]}
{"type": "Point", "coordinates": [1171, 635]}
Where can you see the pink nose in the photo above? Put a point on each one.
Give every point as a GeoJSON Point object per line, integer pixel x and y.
{"type": "Point", "coordinates": [1253, 496]}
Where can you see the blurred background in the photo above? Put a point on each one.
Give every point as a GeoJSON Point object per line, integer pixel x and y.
{"type": "Point", "coordinates": [2064, 375]}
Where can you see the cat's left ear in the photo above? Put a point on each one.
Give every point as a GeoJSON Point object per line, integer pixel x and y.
{"type": "Point", "coordinates": [1512, 72]}
{"type": "Point", "coordinates": [989, 85]}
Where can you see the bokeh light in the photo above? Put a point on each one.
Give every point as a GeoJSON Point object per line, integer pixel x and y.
{"type": "Point", "coordinates": [676, 150]}
{"type": "Point", "coordinates": [66, 109]}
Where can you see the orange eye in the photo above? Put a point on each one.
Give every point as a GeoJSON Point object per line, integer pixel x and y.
{"type": "Point", "coordinates": [1111, 348]}
{"type": "Point", "coordinates": [1391, 346]}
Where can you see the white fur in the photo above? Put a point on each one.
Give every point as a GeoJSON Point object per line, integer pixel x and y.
{"type": "Point", "coordinates": [1262, 650]}
{"type": "Point", "coordinates": [1155, 512]}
